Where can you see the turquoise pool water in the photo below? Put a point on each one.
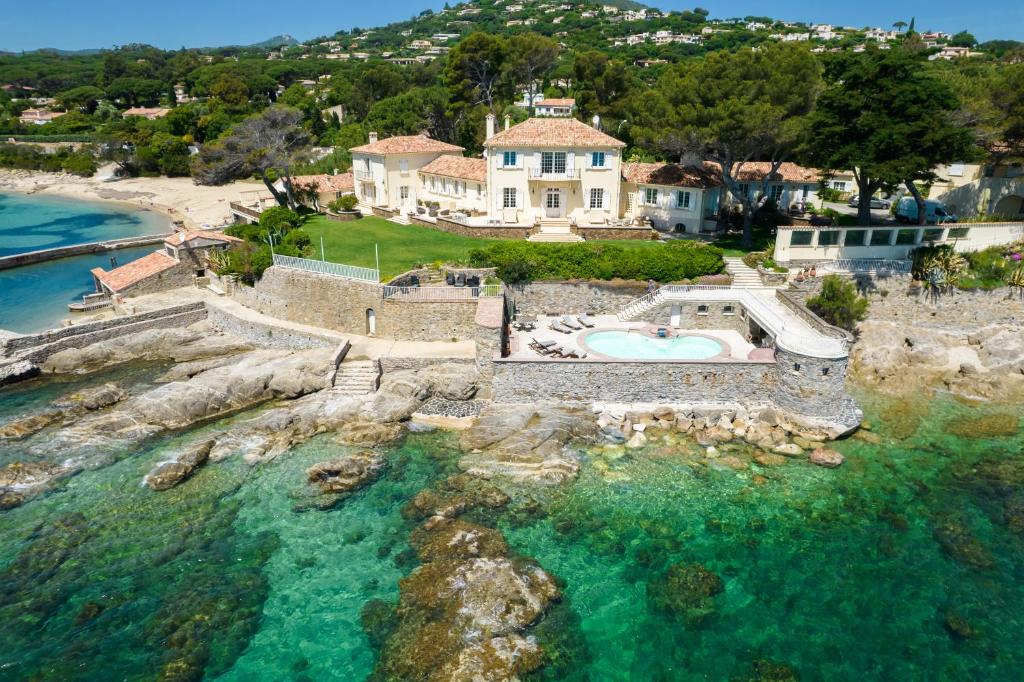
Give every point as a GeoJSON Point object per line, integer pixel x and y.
{"type": "Point", "coordinates": [625, 345]}
{"type": "Point", "coordinates": [35, 297]}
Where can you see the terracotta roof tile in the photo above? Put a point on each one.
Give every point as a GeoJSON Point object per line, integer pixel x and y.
{"type": "Point", "coordinates": [343, 182]}
{"type": "Point", "coordinates": [556, 102]}
{"type": "Point", "coordinates": [462, 167]}
{"type": "Point", "coordinates": [671, 175]}
{"type": "Point", "coordinates": [552, 132]}
{"type": "Point", "coordinates": [132, 273]}
{"type": "Point", "coordinates": [407, 144]}
{"type": "Point", "coordinates": [753, 171]}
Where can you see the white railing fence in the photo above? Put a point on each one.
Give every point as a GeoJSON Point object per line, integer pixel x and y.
{"type": "Point", "coordinates": [326, 268]}
{"type": "Point", "coordinates": [855, 265]}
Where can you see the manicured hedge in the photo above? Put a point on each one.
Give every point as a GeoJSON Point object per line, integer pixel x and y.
{"type": "Point", "coordinates": [524, 261]}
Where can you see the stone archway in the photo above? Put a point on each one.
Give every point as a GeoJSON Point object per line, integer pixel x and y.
{"type": "Point", "coordinates": [1010, 207]}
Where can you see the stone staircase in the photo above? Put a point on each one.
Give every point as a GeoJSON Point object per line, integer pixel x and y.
{"type": "Point", "coordinates": [638, 307]}
{"type": "Point", "coordinates": [554, 232]}
{"type": "Point", "coordinates": [400, 218]}
{"type": "Point", "coordinates": [743, 276]}
{"type": "Point", "coordinates": [355, 378]}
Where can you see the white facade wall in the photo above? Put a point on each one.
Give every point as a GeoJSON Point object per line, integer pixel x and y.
{"type": "Point", "coordinates": [531, 187]}
{"type": "Point", "coordinates": [382, 177]}
{"type": "Point", "coordinates": [454, 194]}
{"type": "Point", "coordinates": [668, 211]}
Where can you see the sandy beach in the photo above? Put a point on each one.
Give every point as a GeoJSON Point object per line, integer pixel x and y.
{"type": "Point", "coordinates": [178, 198]}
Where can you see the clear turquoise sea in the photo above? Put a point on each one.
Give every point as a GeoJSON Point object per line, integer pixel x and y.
{"type": "Point", "coordinates": [35, 297]}
{"type": "Point", "coordinates": [848, 574]}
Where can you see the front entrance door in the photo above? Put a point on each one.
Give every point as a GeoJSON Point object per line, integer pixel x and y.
{"type": "Point", "coordinates": [553, 204]}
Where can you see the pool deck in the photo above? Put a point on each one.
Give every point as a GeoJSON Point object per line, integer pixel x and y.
{"type": "Point", "coordinates": [737, 349]}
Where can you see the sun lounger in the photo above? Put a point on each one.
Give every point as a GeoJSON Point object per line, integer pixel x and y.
{"type": "Point", "coordinates": [570, 323]}
{"type": "Point", "coordinates": [545, 344]}
{"type": "Point", "coordinates": [587, 321]}
{"type": "Point", "coordinates": [559, 327]}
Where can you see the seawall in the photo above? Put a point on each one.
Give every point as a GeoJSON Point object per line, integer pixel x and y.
{"type": "Point", "coordinates": [31, 257]}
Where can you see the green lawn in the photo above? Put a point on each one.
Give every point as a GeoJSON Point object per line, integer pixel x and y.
{"type": "Point", "coordinates": [401, 247]}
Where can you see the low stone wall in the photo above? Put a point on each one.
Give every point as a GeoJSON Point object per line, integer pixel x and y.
{"type": "Point", "coordinates": [87, 334]}
{"type": "Point", "coordinates": [267, 335]}
{"type": "Point", "coordinates": [771, 278]}
{"type": "Point", "coordinates": [574, 298]}
{"type": "Point", "coordinates": [19, 259]}
{"type": "Point", "coordinates": [799, 307]}
{"type": "Point", "coordinates": [390, 364]}
{"type": "Point", "coordinates": [381, 212]}
{"type": "Point", "coordinates": [495, 232]}
{"type": "Point", "coordinates": [344, 217]}
{"type": "Point", "coordinates": [606, 232]}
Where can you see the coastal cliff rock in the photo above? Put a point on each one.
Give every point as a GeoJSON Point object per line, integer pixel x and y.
{"type": "Point", "coordinates": [64, 408]}
{"type": "Point", "coordinates": [166, 475]}
{"type": "Point", "coordinates": [526, 443]}
{"type": "Point", "coordinates": [195, 342]}
{"type": "Point", "coordinates": [346, 474]}
{"type": "Point", "coordinates": [21, 480]}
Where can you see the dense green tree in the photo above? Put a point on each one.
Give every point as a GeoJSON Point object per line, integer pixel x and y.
{"type": "Point", "coordinates": [84, 97]}
{"type": "Point", "coordinates": [838, 303]}
{"type": "Point", "coordinates": [531, 58]}
{"type": "Point", "coordinates": [268, 144]}
{"type": "Point", "coordinates": [602, 85]}
{"type": "Point", "coordinates": [474, 70]}
{"type": "Point", "coordinates": [887, 117]}
{"type": "Point", "coordinates": [963, 39]}
{"type": "Point", "coordinates": [230, 90]}
{"type": "Point", "coordinates": [136, 91]}
{"type": "Point", "coordinates": [734, 109]}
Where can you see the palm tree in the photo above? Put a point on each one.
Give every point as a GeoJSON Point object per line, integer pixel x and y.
{"type": "Point", "coordinates": [899, 25]}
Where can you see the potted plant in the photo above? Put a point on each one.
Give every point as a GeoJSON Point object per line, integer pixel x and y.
{"type": "Point", "coordinates": [432, 208]}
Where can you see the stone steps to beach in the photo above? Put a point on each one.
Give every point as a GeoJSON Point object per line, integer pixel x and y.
{"type": "Point", "coordinates": [357, 377]}
{"type": "Point", "coordinates": [743, 276]}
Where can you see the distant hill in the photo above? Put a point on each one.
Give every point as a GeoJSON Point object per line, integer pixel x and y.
{"type": "Point", "coordinates": [626, 4]}
{"type": "Point", "coordinates": [283, 40]}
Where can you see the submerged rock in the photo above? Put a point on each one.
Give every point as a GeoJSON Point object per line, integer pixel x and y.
{"type": "Point", "coordinates": [346, 474]}
{"type": "Point", "coordinates": [686, 590]}
{"type": "Point", "coordinates": [957, 541]}
{"type": "Point", "coordinates": [445, 538]}
{"type": "Point", "coordinates": [763, 670]}
{"type": "Point", "coordinates": [454, 496]}
{"type": "Point", "coordinates": [985, 426]}
{"type": "Point", "coordinates": [958, 626]}
{"type": "Point", "coordinates": [824, 457]}
{"type": "Point", "coordinates": [20, 480]}
{"type": "Point", "coordinates": [166, 475]}
{"type": "Point", "coordinates": [65, 408]}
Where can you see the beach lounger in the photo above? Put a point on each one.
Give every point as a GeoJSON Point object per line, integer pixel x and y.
{"type": "Point", "coordinates": [571, 323]}
{"type": "Point", "coordinates": [545, 344]}
{"type": "Point", "coordinates": [587, 321]}
{"type": "Point", "coordinates": [559, 327]}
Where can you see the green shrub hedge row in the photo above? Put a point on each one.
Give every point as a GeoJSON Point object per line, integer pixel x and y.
{"type": "Point", "coordinates": [46, 138]}
{"type": "Point", "coordinates": [526, 261]}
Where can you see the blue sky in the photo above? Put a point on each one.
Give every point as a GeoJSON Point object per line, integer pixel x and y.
{"type": "Point", "coordinates": [79, 24]}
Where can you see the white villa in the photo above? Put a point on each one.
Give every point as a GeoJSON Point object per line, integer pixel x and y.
{"type": "Point", "coordinates": [556, 174]}
{"type": "Point", "coordinates": [555, 107]}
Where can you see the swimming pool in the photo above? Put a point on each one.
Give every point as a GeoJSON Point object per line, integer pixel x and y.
{"type": "Point", "coordinates": [632, 345]}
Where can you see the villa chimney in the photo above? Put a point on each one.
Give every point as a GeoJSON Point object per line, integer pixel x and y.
{"type": "Point", "coordinates": [373, 137]}
{"type": "Point", "coordinates": [508, 121]}
{"type": "Point", "coordinates": [491, 120]}
{"type": "Point", "coordinates": [597, 122]}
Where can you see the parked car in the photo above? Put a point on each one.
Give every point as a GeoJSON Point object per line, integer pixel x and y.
{"type": "Point", "coordinates": [935, 212]}
{"type": "Point", "coordinates": [854, 202]}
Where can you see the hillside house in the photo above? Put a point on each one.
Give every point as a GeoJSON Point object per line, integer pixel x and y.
{"type": "Point", "coordinates": [39, 116]}
{"type": "Point", "coordinates": [385, 171]}
{"type": "Point", "coordinates": [150, 113]}
{"type": "Point", "coordinates": [555, 107]}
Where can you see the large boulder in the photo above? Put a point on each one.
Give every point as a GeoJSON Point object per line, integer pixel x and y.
{"type": "Point", "coordinates": [166, 475]}
{"type": "Point", "coordinates": [20, 480]}
{"type": "Point", "coordinates": [370, 434]}
{"type": "Point", "coordinates": [526, 443]}
{"type": "Point", "coordinates": [824, 457]}
{"type": "Point", "coordinates": [346, 474]}
{"type": "Point", "coordinates": [178, 344]}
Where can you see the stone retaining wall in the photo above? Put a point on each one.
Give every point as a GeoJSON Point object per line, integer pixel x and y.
{"type": "Point", "coordinates": [267, 335]}
{"type": "Point", "coordinates": [341, 304]}
{"type": "Point", "coordinates": [495, 232]}
{"type": "Point", "coordinates": [606, 232]}
{"type": "Point", "coordinates": [19, 259]}
{"type": "Point", "coordinates": [344, 217]}
{"type": "Point", "coordinates": [715, 317]}
{"type": "Point", "coordinates": [180, 316]}
{"type": "Point", "coordinates": [574, 298]}
{"type": "Point", "coordinates": [799, 307]}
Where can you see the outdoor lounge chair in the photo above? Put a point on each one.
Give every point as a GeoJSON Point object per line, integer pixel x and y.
{"type": "Point", "coordinates": [543, 346]}
{"type": "Point", "coordinates": [587, 321]}
{"type": "Point", "coordinates": [559, 327]}
{"type": "Point", "coordinates": [571, 323]}
{"type": "Point", "coordinates": [460, 279]}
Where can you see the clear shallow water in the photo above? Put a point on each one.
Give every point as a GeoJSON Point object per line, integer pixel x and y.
{"type": "Point", "coordinates": [35, 297]}
{"type": "Point", "coordinates": [843, 575]}
{"type": "Point", "coordinates": [632, 345]}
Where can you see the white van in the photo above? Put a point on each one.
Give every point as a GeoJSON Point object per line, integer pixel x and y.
{"type": "Point", "coordinates": [935, 212]}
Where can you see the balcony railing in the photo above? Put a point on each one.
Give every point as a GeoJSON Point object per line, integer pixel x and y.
{"type": "Point", "coordinates": [325, 268]}
{"type": "Point", "coordinates": [364, 175]}
{"type": "Point", "coordinates": [542, 174]}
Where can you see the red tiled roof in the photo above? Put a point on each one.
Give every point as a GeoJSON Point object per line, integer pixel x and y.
{"type": "Point", "coordinates": [407, 144]}
{"type": "Point", "coordinates": [462, 167]}
{"type": "Point", "coordinates": [555, 102]}
{"type": "Point", "coordinates": [753, 171]}
{"type": "Point", "coordinates": [184, 236]}
{"type": "Point", "coordinates": [671, 175]}
{"type": "Point", "coordinates": [343, 182]}
{"type": "Point", "coordinates": [132, 273]}
{"type": "Point", "coordinates": [552, 132]}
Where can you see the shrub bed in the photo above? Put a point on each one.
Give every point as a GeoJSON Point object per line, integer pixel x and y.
{"type": "Point", "coordinates": [525, 261]}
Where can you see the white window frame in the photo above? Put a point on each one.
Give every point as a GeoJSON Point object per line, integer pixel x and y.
{"type": "Point", "coordinates": [594, 156]}
{"type": "Point", "coordinates": [683, 199]}
{"type": "Point", "coordinates": [839, 185]}
{"type": "Point", "coordinates": [596, 193]}
{"type": "Point", "coordinates": [509, 198]}
{"type": "Point", "coordinates": [507, 156]}
{"type": "Point", "coordinates": [554, 158]}
{"type": "Point", "coordinates": [650, 196]}
{"type": "Point", "coordinates": [403, 165]}
{"type": "Point", "coordinates": [403, 192]}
